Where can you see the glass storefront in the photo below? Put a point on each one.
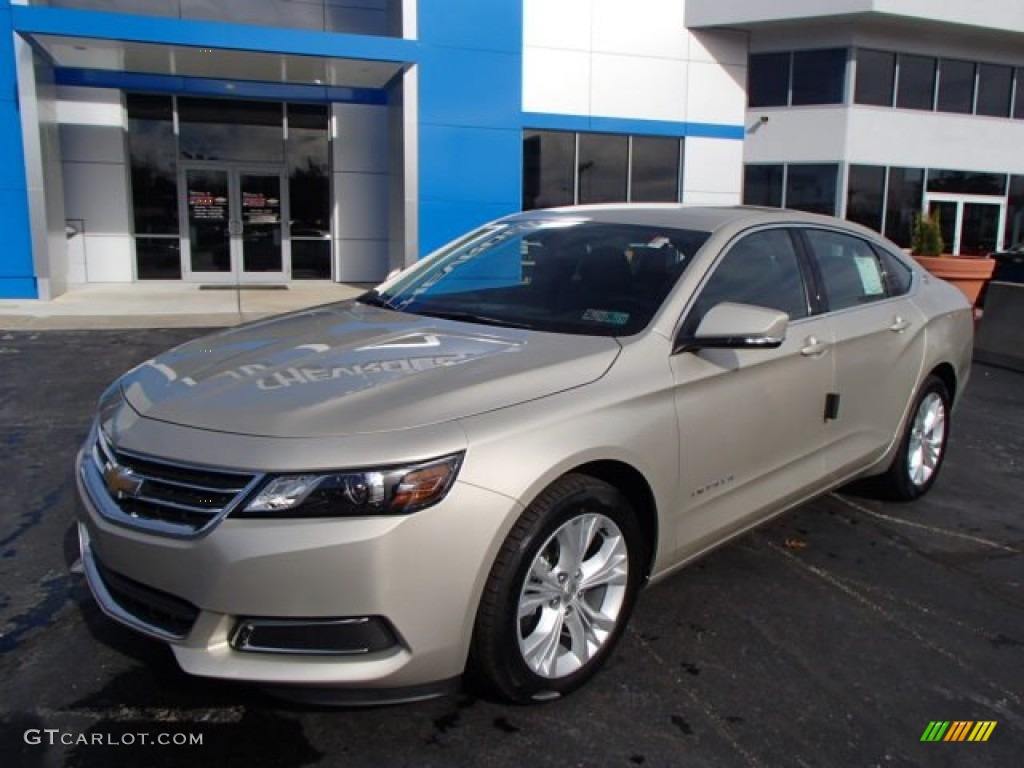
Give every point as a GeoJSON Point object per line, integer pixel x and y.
{"type": "Point", "coordinates": [241, 192]}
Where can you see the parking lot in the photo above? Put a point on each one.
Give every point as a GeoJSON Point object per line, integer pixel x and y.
{"type": "Point", "coordinates": [830, 637]}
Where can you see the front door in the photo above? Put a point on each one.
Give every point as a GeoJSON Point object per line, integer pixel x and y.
{"type": "Point", "coordinates": [234, 225]}
{"type": "Point", "coordinates": [972, 225]}
{"type": "Point", "coordinates": [751, 421]}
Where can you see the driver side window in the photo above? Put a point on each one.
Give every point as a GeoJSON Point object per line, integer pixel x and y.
{"type": "Point", "coordinates": [761, 269]}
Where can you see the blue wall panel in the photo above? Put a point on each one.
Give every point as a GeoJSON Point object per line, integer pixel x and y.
{"type": "Point", "coordinates": [469, 164]}
{"type": "Point", "coordinates": [16, 243]}
{"type": "Point", "coordinates": [449, 220]}
{"type": "Point", "coordinates": [470, 92]}
{"type": "Point", "coordinates": [486, 25]}
{"type": "Point", "coordinates": [17, 274]}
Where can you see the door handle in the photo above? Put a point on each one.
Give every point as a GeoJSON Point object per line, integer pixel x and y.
{"type": "Point", "coordinates": [814, 347]}
{"type": "Point", "coordinates": [899, 324]}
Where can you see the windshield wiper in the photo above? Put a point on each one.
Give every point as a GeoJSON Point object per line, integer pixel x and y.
{"type": "Point", "coordinates": [469, 317]}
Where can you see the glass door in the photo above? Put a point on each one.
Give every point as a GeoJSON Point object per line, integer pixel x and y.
{"type": "Point", "coordinates": [234, 224]}
{"type": "Point", "coordinates": [972, 225]}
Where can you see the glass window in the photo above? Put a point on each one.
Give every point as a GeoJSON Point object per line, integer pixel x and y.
{"type": "Point", "coordinates": [956, 86]}
{"type": "Point", "coordinates": [157, 258]}
{"type": "Point", "coordinates": [1018, 98]}
{"type": "Point", "coordinates": [812, 188]}
{"type": "Point", "coordinates": [966, 182]}
{"type": "Point", "coordinates": [849, 267]}
{"type": "Point", "coordinates": [903, 201]}
{"type": "Point", "coordinates": [994, 87]}
{"type": "Point", "coordinates": [309, 185]}
{"type": "Point", "coordinates": [311, 259]}
{"type": "Point", "coordinates": [876, 75]}
{"type": "Point", "coordinates": [602, 168]}
{"type": "Point", "coordinates": [762, 269]}
{"type": "Point", "coordinates": [762, 185]}
{"type": "Point", "coordinates": [864, 196]}
{"type": "Point", "coordinates": [548, 169]}
{"type": "Point", "coordinates": [1014, 234]}
{"type": "Point", "coordinates": [768, 79]}
{"type": "Point", "coordinates": [654, 175]}
{"type": "Point", "coordinates": [154, 166]}
{"type": "Point", "coordinates": [819, 77]}
{"type": "Point", "coordinates": [209, 130]}
{"type": "Point", "coordinates": [578, 277]}
{"type": "Point", "coordinates": [897, 274]}
{"type": "Point", "coordinates": [916, 78]}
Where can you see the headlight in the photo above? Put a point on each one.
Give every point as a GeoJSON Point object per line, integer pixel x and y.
{"type": "Point", "coordinates": [392, 491]}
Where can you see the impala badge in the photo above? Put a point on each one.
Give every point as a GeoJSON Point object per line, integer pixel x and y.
{"type": "Point", "coordinates": [121, 481]}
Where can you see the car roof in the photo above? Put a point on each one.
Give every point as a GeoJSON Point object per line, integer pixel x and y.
{"type": "Point", "coordinates": [683, 216]}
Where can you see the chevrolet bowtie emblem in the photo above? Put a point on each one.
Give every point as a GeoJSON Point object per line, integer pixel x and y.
{"type": "Point", "coordinates": [121, 481]}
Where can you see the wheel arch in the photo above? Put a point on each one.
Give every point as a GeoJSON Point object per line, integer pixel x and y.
{"type": "Point", "coordinates": [629, 481]}
{"type": "Point", "coordinates": [947, 375]}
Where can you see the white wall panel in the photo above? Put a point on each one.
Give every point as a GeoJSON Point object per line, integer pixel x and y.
{"type": "Point", "coordinates": [361, 138]}
{"type": "Point", "coordinates": [97, 193]}
{"type": "Point", "coordinates": [927, 140]}
{"type": "Point", "coordinates": [712, 166]}
{"type": "Point", "coordinates": [715, 94]}
{"type": "Point", "coordinates": [651, 28]}
{"type": "Point", "coordinates": [556, 81]}
{"type": "Point", "coordinates": [563, 24]}
{"type": "Point", "coordinates": [89, 106]}
{"type": "Point", "coordinates": [361, 202]}
{"type": "Point", "coordinates": [630, 86]}
{"type": "Point", "coordinates": [697, 197]}
{"type": "Point", "coordinates": [361, 261]}
{"type": "Point", "coordinates": [812, 135]}
{"type": "Point", "coordinates": [721, 46]}
{"type": "Point", "coordinates": [92, 143]}
{"type": "Point", "coordinates": [108, 258]}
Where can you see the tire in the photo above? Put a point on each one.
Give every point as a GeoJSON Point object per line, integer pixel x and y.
{"type": "Point", "coordinates": [551, 615]}
{"type": "Point", "coordinates": [922, 447]}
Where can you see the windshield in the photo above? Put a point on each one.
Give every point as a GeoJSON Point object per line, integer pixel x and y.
{"type": "Point", "coordinates": [560, 275]}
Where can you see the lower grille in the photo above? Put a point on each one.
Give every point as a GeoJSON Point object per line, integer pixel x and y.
{"type": "Point", "coordinates": [164, 497]}
{"type": "Point", "coordinates": [150, 606]}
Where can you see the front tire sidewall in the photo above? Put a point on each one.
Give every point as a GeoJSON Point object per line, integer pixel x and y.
{"type": "Point", "coordinates": [520, 683]}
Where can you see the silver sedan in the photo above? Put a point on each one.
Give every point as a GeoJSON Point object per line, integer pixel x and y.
{"type": "Point", "coordinates": [475, 467]}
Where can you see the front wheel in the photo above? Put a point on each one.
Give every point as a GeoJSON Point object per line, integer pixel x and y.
{"type": "Point", "coordinates": [922, 446]}
{"type": "Point", "coordinates": [560, 592]}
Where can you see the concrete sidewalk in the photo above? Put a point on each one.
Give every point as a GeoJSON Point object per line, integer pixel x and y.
{"type": "Point", "coordinates": [166, 305]}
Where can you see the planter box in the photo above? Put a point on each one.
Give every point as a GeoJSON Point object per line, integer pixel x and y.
{"type": "Point", "coordinates": [968, 273]}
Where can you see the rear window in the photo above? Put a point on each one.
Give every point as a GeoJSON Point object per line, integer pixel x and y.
{"type": "Point", "coordinates": [850, 269]}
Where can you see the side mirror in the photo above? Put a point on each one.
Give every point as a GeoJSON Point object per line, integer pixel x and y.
{"type": "Point", "coordinates": [737, 326]}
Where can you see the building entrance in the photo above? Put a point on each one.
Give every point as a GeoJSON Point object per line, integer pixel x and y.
{"type": "Point", "coordinates": [972, 225]}
{"type": "Point", "coordinates": [235, 223]}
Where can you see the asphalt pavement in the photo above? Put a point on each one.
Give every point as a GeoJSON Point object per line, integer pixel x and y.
{"type": "Point", "coordinates": [832, 636]}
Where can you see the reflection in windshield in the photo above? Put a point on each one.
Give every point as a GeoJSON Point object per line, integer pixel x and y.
{"type": "Point", "coordinates": [559, 275]}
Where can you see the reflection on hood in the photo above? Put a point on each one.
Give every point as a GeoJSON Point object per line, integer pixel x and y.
{"type": "Point", "coordinates": [350, 368]}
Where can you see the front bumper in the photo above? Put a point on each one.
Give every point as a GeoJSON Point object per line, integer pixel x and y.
{"type": "Point", "coordinates": [422, 574]}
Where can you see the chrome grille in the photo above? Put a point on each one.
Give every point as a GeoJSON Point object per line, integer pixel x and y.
{"type": "Point", "coordinates": [166, 497]}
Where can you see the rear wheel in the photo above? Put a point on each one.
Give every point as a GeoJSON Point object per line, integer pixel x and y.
{"type": "Point", "coordinates": [923, 444]}
{"type": "Point", "coordinates": [560, 592]}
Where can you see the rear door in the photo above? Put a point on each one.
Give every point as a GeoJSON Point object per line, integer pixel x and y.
{"type": "Point", "coordinates": [879, 345]}
{"type": "Point", "coordinates": [751, 420]}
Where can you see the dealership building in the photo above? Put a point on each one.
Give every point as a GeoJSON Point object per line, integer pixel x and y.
{"type": "Point", "coordinates": [272, 141]}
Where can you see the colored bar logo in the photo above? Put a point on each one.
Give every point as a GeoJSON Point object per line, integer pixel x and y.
{"type": "Point", "coordinates": [958, 730]}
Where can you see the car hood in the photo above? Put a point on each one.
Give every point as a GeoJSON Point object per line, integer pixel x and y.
{"type": "Point", "coordinates": [350, 368]}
